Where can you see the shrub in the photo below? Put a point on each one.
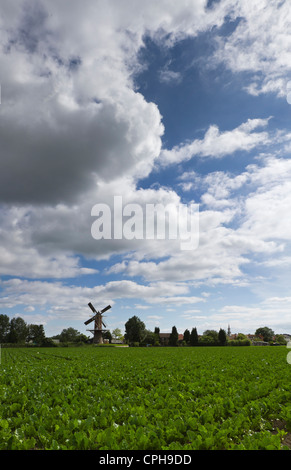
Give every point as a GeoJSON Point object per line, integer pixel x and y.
{"type": "Point", "coordinates": [239, 342]}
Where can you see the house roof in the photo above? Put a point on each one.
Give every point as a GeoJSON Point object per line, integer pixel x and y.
{"type": "Point", "coordinates": [167, 335]}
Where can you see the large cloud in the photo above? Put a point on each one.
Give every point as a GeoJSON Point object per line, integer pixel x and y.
{"type": "Point", "coordinates": [70, 115]}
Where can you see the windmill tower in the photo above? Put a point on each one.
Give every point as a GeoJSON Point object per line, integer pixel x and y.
{"type": "Point", "coordinates": [98, 318]}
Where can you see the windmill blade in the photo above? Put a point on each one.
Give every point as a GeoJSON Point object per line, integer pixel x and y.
{"type": "Point", "coordinates": [105, 309]}
{"type": "Point", "coordinates": [89, 321]}
{"type": "Point", "coordinates": [92, 307]}
{"type": "Point", "coordinates": [103, 324]}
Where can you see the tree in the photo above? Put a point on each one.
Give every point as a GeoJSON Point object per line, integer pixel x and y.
{"type": "Point", "coordinates": [206, 339]}
{"type": "Point", "coordinates": [81, 338]}
{"type": "Point", "coordinates": [222, 337]}
{"type": "Point", "coordinates": [241, 337]}
{"type": "Point", "coordinates": [280, 339]}
{"type": "Point", "coordinates": [117, 334]}
{"type": "Point", "coordinates": [105, 335]}
{"type": "Point", "coordinates": [157, 331]}
{"type": "Point", "coordinates": [18, 331]}
{"type": "Point", "coordinates": [212, 334]}
{"type": "Point", "coordinates": [70, 335]}
{"type": "Point", "coordinates": [134, 330]}
{"type": "Point", "coordinates": [266, 332]}
{"type": "Point", "coordinates": [157, 336]}
{"type": "Point", "coordinates": [36, 334]}
{"type": "Point", "coordinates": [194, 337]}
{"type": "Point", "coordinates": [149, 337]}
{"type": "Point", "coordinates": [4, 328]}
{"type": "Point", "coordinates": [186, 336]}
{"type": "Point", "coordinates": [173, 340]}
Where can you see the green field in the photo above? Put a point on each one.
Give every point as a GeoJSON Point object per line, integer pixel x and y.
{"type": "Point", "coordinates": [144, 398]}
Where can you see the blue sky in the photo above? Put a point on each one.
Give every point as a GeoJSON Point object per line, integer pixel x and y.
{"type": "Point", "coordinates": [169, 103]}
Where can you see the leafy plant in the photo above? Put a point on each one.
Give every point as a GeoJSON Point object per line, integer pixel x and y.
{"type": "Point", "coordinates": [143, 398]}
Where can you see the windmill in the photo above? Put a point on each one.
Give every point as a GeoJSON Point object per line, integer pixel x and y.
{"type": "Point", "coordinates": [97, 317]}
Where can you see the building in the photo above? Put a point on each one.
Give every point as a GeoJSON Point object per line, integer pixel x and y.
{"type": "Point", "coordinates": [164, 338]}
{"type": "Point", "coordinates": [232, 336]}
{"type": "Point", "coordinates": [286, 336]}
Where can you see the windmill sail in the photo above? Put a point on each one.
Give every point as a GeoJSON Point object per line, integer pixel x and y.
{"type": "Point", "coordinates": [105, 309]}
{"type": "Point", "coordinates": [89, 321]}
{"type": "Point", "coordinates": [92, 307]}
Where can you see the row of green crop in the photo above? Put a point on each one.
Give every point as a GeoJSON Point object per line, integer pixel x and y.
{"type": "Point", "coordinates": [165, 398]}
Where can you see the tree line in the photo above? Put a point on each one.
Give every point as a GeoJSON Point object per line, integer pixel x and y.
{"type": "Point", "coordinates": [17, 332]}
{"type": "Point", "coordinates": [136, 334]}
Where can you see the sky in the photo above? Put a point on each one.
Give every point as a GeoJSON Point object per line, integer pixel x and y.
{"type": "Point", "coordinates": [180, 104]}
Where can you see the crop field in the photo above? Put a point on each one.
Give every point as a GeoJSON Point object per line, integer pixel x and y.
{"type": "Point", "coordinates": [145, 398]}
